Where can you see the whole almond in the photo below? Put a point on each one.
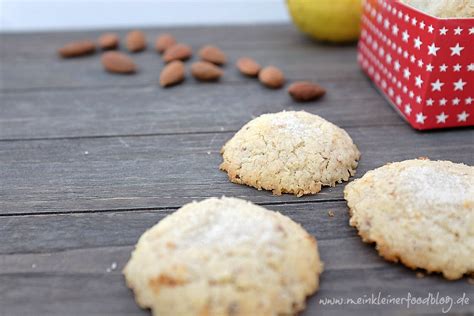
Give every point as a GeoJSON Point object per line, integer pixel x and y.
{"type": "Point", "coordinates": [213, 55]}
{"type": "Point", "coordinates": [78, 48]}
{"type": "Point", "coordinates": [108, 41]}
{"type": "Point", "coordinates": [205, 71]}
{"type": "Point", "coordinates": [177, 52]}
{"type": "Point", "coordinates": [248, 66]}
{"type": "Point", "coordinates": [118, 62]}
{"type": "Point", "coordinates": [271, 77]}
{"type": "Point", "coordinates": [135, 41]}
{"type": "Point", "coordinates": [172, 74]}
{"type": "Point", "coordinates": [305, 91]}
{"type": "Point", "coordinates": [164, 41]}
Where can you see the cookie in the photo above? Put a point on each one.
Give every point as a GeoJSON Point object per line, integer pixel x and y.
{"type": "Point", "coordinates": [419, 212]}
{"type": "Point", "coordinates": [224, 257]}
{"type": "Point", "coordinates": [290, 152]}
{"type": "Point", "coordinates": [444, 8]}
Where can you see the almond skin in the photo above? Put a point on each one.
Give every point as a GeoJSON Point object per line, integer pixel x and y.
{"type": "Point", "coordinates": [178, 51]}
{"type": "Point", "coordinates": [247, 66]}
{"type": "Point", "coordinates": [78, 48]}
{"type": "Point", "coordinates": [303, 91]}
{"type": "Point", "coordinates": [118, 62]}
{"type": "Point", "coordinates": [172, 74]}
{"type": "Point", "coordinates": [135, 41]}
{"type": "Point", "coordinates": [213, 55]}
{"type": "Point", "coordinates": [108, 41]}
{"type": "Point", "coordinates": [205, 71]}
{"type": "Point", "coordinates": [271, 77]}
{"type": "Point", "coordinates": [163, 42]}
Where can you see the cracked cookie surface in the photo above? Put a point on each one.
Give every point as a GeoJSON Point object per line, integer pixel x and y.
{"type": "Point", "coordinates": [224, 257]}
{"type": "Point", "coordinates": [290, 152]}
{"type": "Point", "coordinates": [419, 212]}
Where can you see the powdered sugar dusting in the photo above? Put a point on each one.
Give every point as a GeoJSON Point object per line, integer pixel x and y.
{"type": "Point", "coordinates": [434, 185]}
{"type": "Point", "coordinates": [294, 125]}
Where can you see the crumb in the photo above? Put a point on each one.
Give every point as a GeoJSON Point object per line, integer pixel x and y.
{"type": "Point", "coordinates": [86, 153]}
{"type": "Point", "coordinates": [222, 128]}
{"type": "Point", "coordinates": [208, 152]}
{"type": "Point", "coordinates": [331, 213]}
{"type": "Point", "coordinates": [33, 266]}
{"type": "Point", "coordinates": [112, 267]}
{"type": "Point", "coordinates": [420, 275]}
{"type": "Point", "coordinates": [470, 280]}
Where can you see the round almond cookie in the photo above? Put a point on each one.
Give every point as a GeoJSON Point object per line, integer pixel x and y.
{"type": "Point", "coordinates": [290, 152]}
{"type": "Point", "coordinates": [419, 212]}
{"type": "Point", "coordinates": [224, 257]}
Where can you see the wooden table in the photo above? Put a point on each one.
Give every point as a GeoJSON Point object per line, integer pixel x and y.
{"type": "Point", "coordinates": [90, 160]}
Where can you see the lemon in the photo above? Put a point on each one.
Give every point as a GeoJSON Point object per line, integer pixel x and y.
{"type": "Point", "coordinates": [327, 20]}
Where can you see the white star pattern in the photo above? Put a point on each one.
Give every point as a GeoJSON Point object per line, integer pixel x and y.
{"type": "Point", "coordinates": [405, 36]}
{"type": "Point", "coordinates": [420, 118]}
{"type": "Point", "coordinates": [459, 85]}
{"type": "Point", "coordinates": [406, 73]}
{"type": "Point", "coordinates": [458, 30]}
{"type": "Point", "coordinates": [418, 81]}
{"type": "Point", "coordinates": [437, 85]}
{"type": "Point", "coordinates": [456, 50]}
{"type": "Point", "coordinates": [432, 49]}
{"type": "Point", "coordinates": [441, 118]}
{"type": "Point", "coordinates": [387, 55]}
{"type": "Point", "coordinates": [462, 117]}
{"type": "Point", "coordinates": [418, 42]}
{"type": "Point", "coordinates": [396, 65]}
{"type": "Point", "coordinates": [408, 109]}
{"type": "Point", "coordinates": [395, 29]}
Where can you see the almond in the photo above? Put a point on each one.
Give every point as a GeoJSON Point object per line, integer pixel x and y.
{"type": "Point", "coordinates": [177, 52]}
{"type": "Point", "coordinates": [108, 41]}
{"type": "Point", "coordinates": [271, 77]}
{"type": "Point", "coordinates": [248, 66]}
{"type": "Point", "coordinates": [172, 74]}
{"type": "Point", "coordinates": [118, 62]}
{"type": "Point", "coordinates": [306, 91]}
{"type": "Point", "coordinates": [164, 41]}
{"type": "Point", "coordinates": [205, 71]}
{"type": "Point", "coordinates": [78, 48]}
{"type": "Point", "coordinates": [213, 55]}
{"type": "Point", "coordinates": [135, 41]}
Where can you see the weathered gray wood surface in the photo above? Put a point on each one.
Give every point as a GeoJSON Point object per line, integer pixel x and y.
{"type": "Point", "coordinates": [89, 161]}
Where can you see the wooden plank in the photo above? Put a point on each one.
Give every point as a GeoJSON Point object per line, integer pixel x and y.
{"type": "Point", "coordinates": [170, 170]}
{"type": "Point", "coordinates": [87, 72]}
{"type": "Point", "coordinates": [186, 109]}
{"type": "Point", "coordinates": [81, 280]}
{"type": "Point", "coordinates": [32, 63]}
{"type": "Point", "coordinates": [59, 232]}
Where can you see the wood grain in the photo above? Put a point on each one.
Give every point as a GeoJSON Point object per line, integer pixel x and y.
{"type": "Point", "coordinates": [182, 109]}
{"type": "Point", "coordinates": [169, 170]}
{"type": "Point", "coordinates": [89, 161]}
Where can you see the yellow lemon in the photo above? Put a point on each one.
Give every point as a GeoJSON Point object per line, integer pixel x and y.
{"type": "Point", "coordinates": [327, 20]}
